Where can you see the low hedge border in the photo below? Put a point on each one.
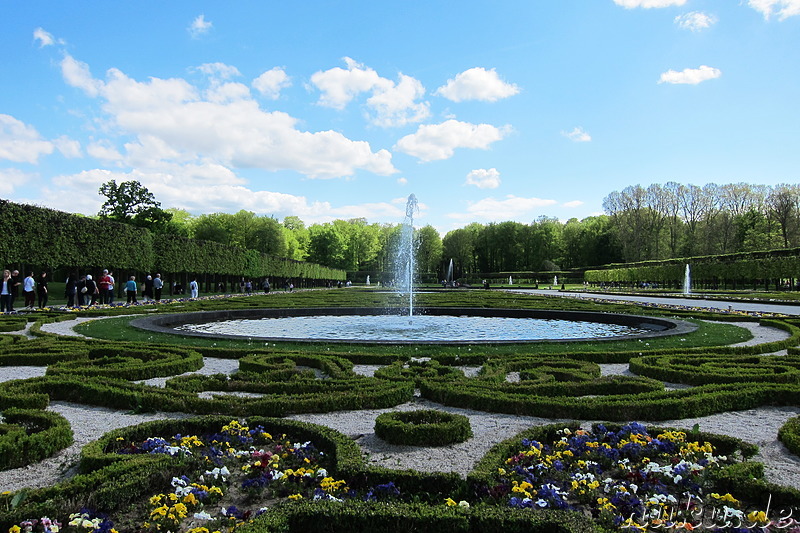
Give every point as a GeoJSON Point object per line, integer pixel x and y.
{"type": "Point", "coordinates": [130, 363]}
{"type": "Point", "coordinates": [705, 369]}
{"type": "Point", "coordinates": [789, 435]}
{"type": "Point", "coordinates": [9, 323]}
{"type": "Point", "coordinates": [424, 427]}
{"type": "Point", "coordinates": [365, 517]}
{"type": "Point", "coordinates": [30, 435]}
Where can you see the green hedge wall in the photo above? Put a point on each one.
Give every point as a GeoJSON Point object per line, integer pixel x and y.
{"type": "Point", "coordinates": [46, 237]}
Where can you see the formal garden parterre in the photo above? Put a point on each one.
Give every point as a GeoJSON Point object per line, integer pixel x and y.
{"type": "Point", "coordinates": [238, 463]}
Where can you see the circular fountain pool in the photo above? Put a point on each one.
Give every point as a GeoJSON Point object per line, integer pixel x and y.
{"type": "Point", "coordinates": [432, 326]}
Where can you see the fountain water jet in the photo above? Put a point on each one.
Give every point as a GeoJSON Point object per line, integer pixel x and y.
{"type": "Point", "coordinates": [404, 268]}
{"type": "Point", "coordinates": [448, 279]}
{"type": "Point", "coordinates": [687, 280]}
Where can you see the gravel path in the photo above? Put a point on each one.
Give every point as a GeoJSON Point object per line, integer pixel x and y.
{"type": "Point", "coordinates": [756, 425]}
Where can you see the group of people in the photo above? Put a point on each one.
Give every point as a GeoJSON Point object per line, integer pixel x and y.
{"type": "Point", "coordinates": [85, 290]}
{"type": "Point", "coordinates": [9, 291]}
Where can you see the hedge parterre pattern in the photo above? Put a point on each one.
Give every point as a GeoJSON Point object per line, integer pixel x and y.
{"type": "Point", "coordinates": [167, 476]}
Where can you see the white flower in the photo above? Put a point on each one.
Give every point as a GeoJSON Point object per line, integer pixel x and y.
{"type": "Point", "coordinates": [541, 503]}
{"type": "Point", "coordinates": [463, 503]}
{"type": "Point", "coordinates": [202, 515]}
{"type": "Point", "coordinates": [322, 473]}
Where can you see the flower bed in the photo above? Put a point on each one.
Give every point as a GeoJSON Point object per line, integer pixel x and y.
{"type": "Point", "coordinates": [425, 427]}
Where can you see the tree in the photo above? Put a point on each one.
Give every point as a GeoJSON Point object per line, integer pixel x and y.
{"type": "Point", "coordinates": [131, 203]}
{"type": "Point", "coordinates": [429, 250]}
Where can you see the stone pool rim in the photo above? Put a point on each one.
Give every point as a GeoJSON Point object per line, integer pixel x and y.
{"type": "Point", "coordinates": [167, 322]}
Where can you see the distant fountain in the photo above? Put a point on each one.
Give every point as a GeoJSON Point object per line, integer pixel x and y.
{"type": "Point", "coordinates": [448, 279]}
{"type": "Point", "coordinates": [510, 281]}
{"type": "Point", "coordinates": [555, 281]}
{"type": "Point", "coordinates": [404, 267]}
{"type": "Point", "coordinates": [687, 280]}
{"type": "Point", "coordinates": [367, 279]}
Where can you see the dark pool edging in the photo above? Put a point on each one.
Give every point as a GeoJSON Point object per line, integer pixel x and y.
{"type": "Point", "coordinates": [660, 327]}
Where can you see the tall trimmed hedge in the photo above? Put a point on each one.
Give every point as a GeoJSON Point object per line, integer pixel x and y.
{"type": "Point", "coordinates": [773, 264]}
{"type": "Point", "coordinates": [41, 236]}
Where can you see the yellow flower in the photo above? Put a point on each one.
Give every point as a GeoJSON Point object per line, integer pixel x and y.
{"type": "Point", "coordinates": [757, 516]}
{"type": "Point", "coordinates": [296, 497]}
{"type": "Point", "coordinates": [14, 529]}
{"type": "Point", "coordinates": [450, 502]}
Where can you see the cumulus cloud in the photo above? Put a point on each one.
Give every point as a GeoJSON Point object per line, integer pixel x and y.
{"type": "Point", "coordinates": [402, 181]}
{"type": "Point", "coordinates": [572, 204]}
{"type": "Point", "coordinates": [484, 178]}
{"type": "Point", "coordinates": [271, 83]}
{"type": "Point", "coordinates": [43, 37]}
{"type": "Point", "coordinates": [782, 8]}
{"type": "Point", "coordinates": [104, 150]}
{"type": "Point", "coordinates": [219, 71]}
{"type": "Point", "coordinates": [69, 148]}
{"type": "Point", "coordinates": [390, 103]}
{"type": "Point", "coordinates": [577, 135]}
{"type": "Point", "coordinates": [510, 208]}
{"type": "Point", "coordinates": [690, 76]}
{"type": "Point", "coordinates": [695, 21]}
{"type": "Point", "coordinates": [647, 4]}
{"type": "Point", "coordinates": [199, 26]}
{"type": "Point", "coordinates": [20, 142]}
{"type": "Point", "coordinates": [11, 178]}
{"type": "Point", "coordinates": [224, 124]}
{"type": "Point", "coordinates": [477, 84]}
{"type": "Point", "coordinates": [432, 142]}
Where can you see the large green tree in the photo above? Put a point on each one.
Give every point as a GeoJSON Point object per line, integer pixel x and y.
{"type": "Point", "coordinates": [131, 203]}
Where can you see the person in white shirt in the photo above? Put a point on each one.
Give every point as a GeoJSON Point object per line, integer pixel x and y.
{"type": "Point", "coordinates": [193, 287]}
{"type": "Point", "coordinates": [28, 286]}
{"type": "Point", "coordinates": [157, 286]}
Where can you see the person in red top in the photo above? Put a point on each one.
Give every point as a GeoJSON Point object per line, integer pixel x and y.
{"type": "Point", "coordinates": [104, 285]}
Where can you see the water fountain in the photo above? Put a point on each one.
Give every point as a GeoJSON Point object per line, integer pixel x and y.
{"type": "Point", "coordinates": [448, 278]}
{"type": "Point", "coordinates": [404, 264]}
{"type": "Point", "coordinates": [687, 280]}
{"type": "Point", "coordinates": [555, 281]}
{"type": "Point", "coordinates": [367, 279]}
{"type": "Point", "coordinates": [510, 280]}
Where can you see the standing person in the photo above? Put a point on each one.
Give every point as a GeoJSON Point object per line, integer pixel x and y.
{"type": "Point", "coordinates": [147, 290]}
{"type": "Point", "coordinates": [111, 284]}
{"type": "Point", "coordinates": [157, 286]}
{"type": "Point", "coordinates": [82, 290]}
{"type": "Point", "coordinates": [248, 286]}
{"type": "Point", "coordinates": [13, 289]}
{"type": "Point", "coordinates": [130, 289]}
{"type": "Point", "coordinates": [70, 290]}
{"type": "Point", "coordinates": [241, 286]}
{"type": "Point", "coordinates": [29, 290]}
{"type": "Point", "coordinates": [102, 286]}
{"type": "Point", "coordinates": [92, 292]}
{"type": "Point", "coordinates": [265, 286]}
{"type": "Point", "coordinates": [193, 287]}
{"type": "Point", "coordinates": [5, 292]}
{"type": "Point", "coordinates": [41, 290]}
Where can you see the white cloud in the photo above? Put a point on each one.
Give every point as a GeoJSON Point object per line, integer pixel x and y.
{"type": "Point", "coordinates": [691, 76]}
{"type": "Point", "coordinates": [577, 135]}
{"type": "Point", "coordinates": [477, 84]}
{"type": "Point", "coordinates": [104, 150]}
{"type": "Point", "coordinates": [199, 26]}
{"type": "Point", "coordinates": [69, 148]}
{"type": "Point", "coordinates": [224, 124]}
{"type": "Point", "coordinates": [782, 8]}
{"type": "Point", "coordinates": [402, 181]}
{"type": "Point", "coordinates": [11, 178]}
{"type": "Point", "coordinates": [396, 105]}
{"type": "Point", "coordinates": [695, 21]}
{"type": "Point", "coordinates": [510, 208]}
{"type": "Point", "coordinates": [432, 142]}
{"type": "Point", "coordinates": [271, 82]}
{"type": "Point", "coordinates": [484, 178]}
{"type": "Point", "coordinates": [44, 38]}
{"type": "Point", "coordinates": [219, 71]}
{"type": "Point", "coordinates": [573, 203]}
{"type": "Point", "coordinates": [20, 142]}
{"type": "Point", "coordinates": [76, 73]}
{"type": "Point", "coordinates": [390, 104]}
{"type": "Point", "coordinates": [630, 4]}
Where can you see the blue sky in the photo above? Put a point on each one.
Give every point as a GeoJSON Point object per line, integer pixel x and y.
{"type": "Point", "coordinates": [486, 110]}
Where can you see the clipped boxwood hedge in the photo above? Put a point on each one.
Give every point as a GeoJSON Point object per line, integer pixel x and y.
{"type": "Point", "coordinates": [424, 427]}
{"type": "Point", "coordinates": [789, 435]}
{"type": "Point", "coordinates": [30, 435]}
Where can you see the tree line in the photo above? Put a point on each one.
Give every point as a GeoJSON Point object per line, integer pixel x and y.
{"type": "Point", "coordinates": [675, 220]}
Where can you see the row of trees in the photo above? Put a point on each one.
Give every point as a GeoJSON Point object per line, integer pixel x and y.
{"type": "Point", "coordinates": [640, 224]}
{"type": "Point", "coordinates": [675, 220]}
